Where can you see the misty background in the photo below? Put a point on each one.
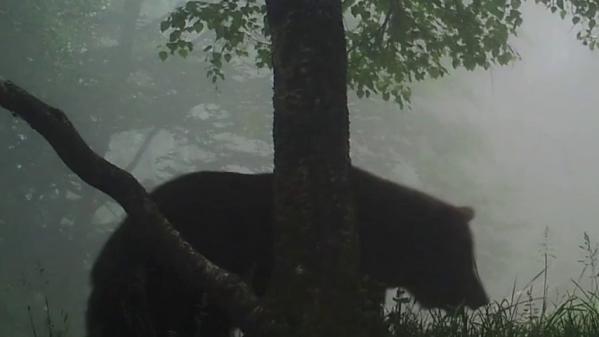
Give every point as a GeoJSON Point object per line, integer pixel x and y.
{"type": "Point", "coordinates": [517, 143]}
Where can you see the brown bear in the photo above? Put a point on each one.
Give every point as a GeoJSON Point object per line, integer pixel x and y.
{"type": "Point", "coordinates": [407, 239]}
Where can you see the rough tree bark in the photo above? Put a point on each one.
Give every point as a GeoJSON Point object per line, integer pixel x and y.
{"type": "Point", "coordinates": [315, 285]}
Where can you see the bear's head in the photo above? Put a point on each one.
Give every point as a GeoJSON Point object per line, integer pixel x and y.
{"type": "Point", "coordinates": [442, 272]}
{"type": "Point", "coordinates": [427, 249]}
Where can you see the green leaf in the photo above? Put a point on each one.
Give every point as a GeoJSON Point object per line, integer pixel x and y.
{"type": "Point", "coordinates": [190, 6]}
{"type": "Point", "coordinates": [164, 25]}
{"type": "Point", "coordinates": [174, 36]}
{"type": "Point", "coordinates": [183, 52]}
{"type": "Point", "coordinates": [178, 20]}
{"type": "Point", "coordinates": [163, 55]}
{"type": "Point", "coordinates": [504, 58]}
{"type": "Point", "coordinates": [198, 26]}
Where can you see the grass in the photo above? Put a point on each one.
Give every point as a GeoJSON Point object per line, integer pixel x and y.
{"type": "Point", "coordinates": [47, 325]}
{"type": "Point", "coordinates": [575, 314]}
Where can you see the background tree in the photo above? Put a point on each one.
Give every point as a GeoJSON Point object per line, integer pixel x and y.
{"type": "Point", "coordinates": [50, 221]}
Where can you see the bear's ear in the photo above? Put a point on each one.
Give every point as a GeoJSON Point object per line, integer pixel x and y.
{"type": "Point", "coordinates": [467, 213]}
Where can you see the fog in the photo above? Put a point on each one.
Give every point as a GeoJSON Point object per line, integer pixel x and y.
{"type": "Point", "coordinates": [516, 142]}
{"type": "Point", "coordinates": [539, 118]}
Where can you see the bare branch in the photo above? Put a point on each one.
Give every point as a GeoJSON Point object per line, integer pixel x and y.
{"type": "Point", "coordinates": [155, 233]}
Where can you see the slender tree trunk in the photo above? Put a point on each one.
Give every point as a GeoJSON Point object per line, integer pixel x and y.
{"type": "Point", "coordinates": [315, 284]}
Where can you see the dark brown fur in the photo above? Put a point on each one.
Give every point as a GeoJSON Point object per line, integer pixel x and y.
{"type": "Point", "coordinates": [408, 239]}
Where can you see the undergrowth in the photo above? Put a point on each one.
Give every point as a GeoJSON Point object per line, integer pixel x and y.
{"type": "Point", "coordinates": [576, 314]}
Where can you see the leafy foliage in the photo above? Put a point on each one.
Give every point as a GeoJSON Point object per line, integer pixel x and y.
{"type": "Point", "coordinates": [49, 35]}
{"type": "Point", "coordinates": [394, 43]}
{"type": "Point", "coordinates": [235, 29]}
{"type": "Point", "coordinates": [390, 43]}
{"type": "Point", "coordinates": [583, 13]}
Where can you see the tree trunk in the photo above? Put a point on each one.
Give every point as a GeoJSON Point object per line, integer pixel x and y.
{"type": "Point", "coordinates": [315, 284]}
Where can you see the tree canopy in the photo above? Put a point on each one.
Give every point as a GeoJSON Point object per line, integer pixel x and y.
{"type": "Point", "coordinates": [390, 43]}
